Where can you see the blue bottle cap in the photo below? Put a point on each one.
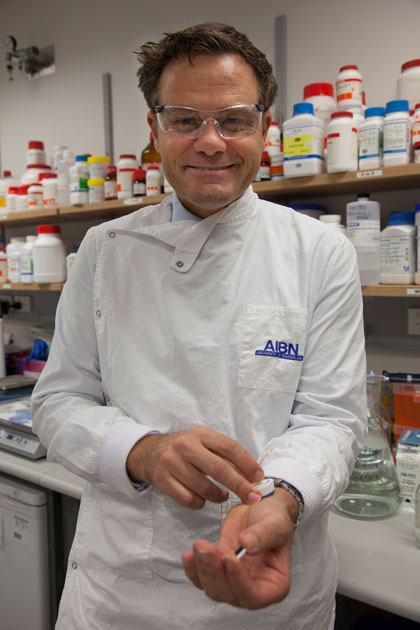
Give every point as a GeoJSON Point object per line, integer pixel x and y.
{"type": "Point", "coordinates": [397, 106]}
{"type": "Point", "coordinates": [401, 218]}
{"type": "Point", "coordinates": [374, 111]}
{"type": "Point", "coordinates": [303, 108]}
{"type": "Point", "coordinates": [81, 158]}
{"type": "Point", "coordinates": [309, 206]}
{"type": "Point", "coordinates": [417, 207]}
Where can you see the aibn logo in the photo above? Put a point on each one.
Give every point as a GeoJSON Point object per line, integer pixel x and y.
{"type": "Point", "coordinates": [281, 350]}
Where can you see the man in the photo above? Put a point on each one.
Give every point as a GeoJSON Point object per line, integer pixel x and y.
{"type": "Point", "coordinates": [201, 345]}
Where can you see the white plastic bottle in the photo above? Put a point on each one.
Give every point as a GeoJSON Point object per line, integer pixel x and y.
{"type": "Point", "coordinates": [397, 133]}
{"type": "Point", "coordinates": [415, 125]}
{"type": "Point", "coordinates": [3, 262]}
{"type": "Point", "coordinates": [49, 189]}
{"type": "Point", "coordinates": [341, 143]}
{"type": "Point", "coordinates": [63, 181]}
{"type": "Point", "coordinates": [26, 261]}
{"type": "Point", "coordinates": [153, 181]}
{"type": "Point", "coordinates": [348, 88]}
{"type": "Point", "coordinates": [13, 251]}
{"type": "Point", "coordinates": [371, 139]}
{"type": "Point", "coordinates": [11, 199]}
{"type": "Point", "coordinates": [6, 182]}
{"type": "Point", "coordinates": [408, 83]}
{"type": "Point", "coordinates": [78, 179]}
{"type": "Point", "coordinates": [125, 182]}
{"type": "Point", "coordinates": [417, 224]}
{"type": "Point", "coordinates": [22, 198]}
{"type": "Point", "coordinates": [127, 160]}
{"type": "Point", "coordinates": [398, 255]}
{"type": "Point", "coordinates": [35, 153]}
{"type": "Point", "coordinates": [49, 255]}
{"type": "Point", "coordinates": [321, 95]}
{"type": "Point", "coordinates": [334, 221]}
{"type": "Point", "coordinates": [363, 229]}
{"type": "Point", "coordinates": [274, 148]}
{"type": "Point", "coordinates": [31, 175]}
{"type": "Point", "coordinates": [35, 199]}
{"type": "Point", "coordinates": [303, 143]}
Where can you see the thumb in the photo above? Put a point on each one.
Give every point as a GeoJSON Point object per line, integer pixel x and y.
{"type": "Point", "coordinates": [269, 533]}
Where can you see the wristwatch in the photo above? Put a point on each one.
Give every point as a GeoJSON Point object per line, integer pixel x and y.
{"type": "Point", "coordinates": [280, 483]}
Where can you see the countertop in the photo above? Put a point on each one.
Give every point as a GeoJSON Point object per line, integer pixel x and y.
{"type": "Point", "coordinates": [379, 563]}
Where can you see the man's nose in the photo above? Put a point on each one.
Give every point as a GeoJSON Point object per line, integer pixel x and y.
{"type": "Point", "coordinates": [210, 141]}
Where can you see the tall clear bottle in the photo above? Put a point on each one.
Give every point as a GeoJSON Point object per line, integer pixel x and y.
{"type": "Point", "coordinates": [374, 490]}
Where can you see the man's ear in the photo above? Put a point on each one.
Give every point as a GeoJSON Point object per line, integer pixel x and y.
{"type": "Point", "coordinates": [152, 122]}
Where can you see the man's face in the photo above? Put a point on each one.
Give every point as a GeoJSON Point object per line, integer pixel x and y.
{"type": "Point", "coordinates": [209, 172]}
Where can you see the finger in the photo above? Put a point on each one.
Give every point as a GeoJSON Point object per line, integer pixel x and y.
{"type": "Point", "coordinates": [211, 574]}
{"type": "Point", "coordinates": [273, 530]}
{"type": "Point", "coordinates": [190, 569]}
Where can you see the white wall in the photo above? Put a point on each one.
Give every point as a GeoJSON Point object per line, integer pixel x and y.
{"type": "Point", "coordinates": [97, 36]}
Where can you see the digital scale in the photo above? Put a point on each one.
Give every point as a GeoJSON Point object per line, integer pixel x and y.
{"type": "Point", "coordinates": [15, 420]}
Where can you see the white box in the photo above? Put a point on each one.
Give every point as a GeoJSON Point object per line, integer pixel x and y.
{"type": "Point", "coordinates": [408, 463]}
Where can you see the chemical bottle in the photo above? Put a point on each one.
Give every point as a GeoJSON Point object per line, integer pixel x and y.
{"type": "Point", "coordinates": [125, 182]}
{"type": "Point", "coordinates": [139, 182]}
{"type": "Point", "coordinates": [13, 251]}
{"type": "Point", "coordinates": [3, 261]}
{"type": "Point", "coordinates": [11, 199]}
{"type": "Point", "coordinates": [22, 198]}
{"type": "Point", "coordinates": [5, 183]}
{"type": "Point", "coordinates": [49, 255]}
{"type": "Point", "coordinates": [150, 155]}
{"type": "Point", "coordinates": [397, 249]}
{"type": "Point", "coordinates": [371, 139]}
{"type": "Point", "coordinates": [49, 189]}
{"type": "Point", "coordinates": [274, 147]}
{"type": "Point", "coordinates": [408, 83]}
{"type": "Point", "coordinates": [321, 95]}
{"type": "Point", "coordinates": [32, 173]}
{"type": "Point", "coordinates": [63, 178]}
{"type": "Point", "coordinates": [78, 179]}
{"type": "Point", "coordinates": [97, 166]}
{"type": "Point", "coordinates": [341, 143]}
{"type": "Point", "coordinates": [363, 229]}
{"type": "Point", "coordinates": [264, 170]}
{"type": "Point", "coordinates": [110, 185]}
{"type": "Point", "coordinates": [303, 143]}
{"type": "Point", "coordinates": [153, 181]}
{"type": "Point", "coordinates": [35, 198]}
{"type": "Point", "coordinates": [415, 127]}
{"type": "Point", "coordinates": [26, 261]}
{"type": "Point", "coordinates": [417, 517]}
{"type": "Point", "coordinates": [127, 160]}
{"type": "Point", "coordinates": [348, 88]}
{"type": "Point", "coordinates": [334, 221]}
{"type": "Point", "coordinates": [35, 153]}
{"type": "Point", "coordinates": [374, 490]}
{"type": "Point", "coordinates": [397, 133]}
{"type": "Point", "coordinates": [417, 224]}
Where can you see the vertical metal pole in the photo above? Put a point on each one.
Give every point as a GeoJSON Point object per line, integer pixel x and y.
{"type": "Point", "coordinates": [280, 66]}
{"type": "Point", "coordinates": [109, 131]}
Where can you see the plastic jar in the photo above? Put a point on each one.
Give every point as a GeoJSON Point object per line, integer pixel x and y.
{"type": "Point", "coordinates": [398, 249]}
{"type": "Point", "coordinates": [49, 255]}
{"type": "Point", "coordinates": [303, 143]}
{"type": "Point", "coordinates": [49, 189]}
{"type": "Point", "coordinates": [11, 199]}
{"type": "Point", "coordinates": [22, 198]}
{"type": "Point", "coordinates": [274, 147]}
{"type": "Point", "coordinates": [153, 181]}
{"type": "Point", "coordinates": [139, 182]}
{"type": "Point", "coordinates": [26, 261]}
{"type": "Point", "coordinates": [35, 153]}
{"type": "Point", "coordinates": [417, 224]}
{"type": "Point", "coordinates": [127, 160]}
{"type": "Point", "coordinates": [408, 83]}
{"type": "Point", "coordinates": [97, 166]}
{"type": "Point", "coordinates": [264, 170]}
{"type": "Point", "coordinates": [321, 95]}
{"type": "Point", "coordinates": [363, 230]}
{"type": "Point", "coordinates": [397, 133]}
{"type": "Point", "coordinates": [415, 124]}
{"type": "Point", "coordinates": [371, 139]}
{"type": "Point", "coordinates": [96, 190]}
{"type": "Point", "coordinates": [31, 175]}
{"type": "Point", "coordinates": [111, 182]}
{"type": "Point", "coordinates": [78, 180]}
{"type": "Point", "coordinates": [348, 88]}
{"type": "Point", "coordinates": [125, 182]}
{"type": "Point", "coordinates": [313, 210]}
{"type": "Point", "coordinates": [13, 251]}
{"type": "Point", "coordinates": [334, 221]}
{"type": "Point", "coordinates": [3, 264]}
{"type": "Point", "coordinates": [341, 143]}
{"type": "Point", "coordinates": [358, 115]}
{"type": "Point", "coordinates": [35, 199]}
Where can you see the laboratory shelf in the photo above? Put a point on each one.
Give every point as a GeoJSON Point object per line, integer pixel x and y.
{"type": "Point", "coordinates": [13, 286]}
{"type": "Point", "coordinates": [392, 290]}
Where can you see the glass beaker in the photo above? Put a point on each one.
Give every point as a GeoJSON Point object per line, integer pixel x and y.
{"type": "Point", "coordinates": [374, 490]}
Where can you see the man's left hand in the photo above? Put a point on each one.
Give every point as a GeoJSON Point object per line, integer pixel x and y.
{"type": "Point", "coordinates": [262, 576]}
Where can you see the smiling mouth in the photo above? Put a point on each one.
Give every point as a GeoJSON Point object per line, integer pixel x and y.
{"type": "Point", "coordinates": [212, 168]}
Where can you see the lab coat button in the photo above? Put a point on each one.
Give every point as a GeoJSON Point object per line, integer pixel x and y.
{"type": "Point", "coordinates": [112, 235]}
{"type": "Point", "coordinates": [98, 313]}
{"type": "Point", "coordinates": [179, 263]}
{"type": "Point", "coordinates": [74, 565]}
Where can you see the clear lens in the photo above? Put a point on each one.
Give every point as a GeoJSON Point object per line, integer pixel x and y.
{"type": "Point", "coordinates": [232, 122]}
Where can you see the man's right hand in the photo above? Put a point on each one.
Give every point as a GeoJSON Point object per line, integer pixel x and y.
{"type": "Point", "coordinates": [179, 464]}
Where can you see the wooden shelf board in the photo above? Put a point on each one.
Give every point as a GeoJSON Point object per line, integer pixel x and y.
{"type": "Point", "coordinates": [392, 290]}
{"type": "Point", "coordinates": [13, 286]}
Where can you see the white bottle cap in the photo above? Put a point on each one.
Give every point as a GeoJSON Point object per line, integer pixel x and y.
{"type": "Point", "coordinates": [266, 487]}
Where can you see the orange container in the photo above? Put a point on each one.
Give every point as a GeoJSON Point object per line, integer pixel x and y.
{"type": "Point", "coordinates": [406, 408]}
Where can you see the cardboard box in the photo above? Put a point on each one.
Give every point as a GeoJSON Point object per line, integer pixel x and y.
{"type": "Point", "coordinates": [408, 463]}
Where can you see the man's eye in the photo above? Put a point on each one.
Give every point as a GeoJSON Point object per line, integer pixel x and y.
{"type": "Point", "coordinates": [185, 123]}
{"type": "Point", "coordinates": [235, 123]}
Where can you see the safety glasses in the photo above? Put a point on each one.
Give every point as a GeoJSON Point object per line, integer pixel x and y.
{"type": "Point", "coordinates": [237, 121]}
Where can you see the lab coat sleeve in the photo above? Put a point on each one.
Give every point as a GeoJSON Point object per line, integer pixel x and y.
{"type": "Point", "coordinates": [69, 409]}
{"type": "Point", "coordinates": [328, 420]}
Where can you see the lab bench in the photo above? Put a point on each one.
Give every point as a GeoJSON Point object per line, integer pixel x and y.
{"type": "Point", "coordinates": [379, 564]}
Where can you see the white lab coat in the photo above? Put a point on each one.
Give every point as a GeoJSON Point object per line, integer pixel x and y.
{"type": "Point", "coordinates": [249, 322]}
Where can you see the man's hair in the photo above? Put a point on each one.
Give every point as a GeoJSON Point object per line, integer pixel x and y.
{"type": "Point", "coordinates": [211, 38]}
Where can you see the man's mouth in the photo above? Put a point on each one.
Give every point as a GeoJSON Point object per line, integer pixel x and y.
{"type": "Point", "coordinates": [211, 168]}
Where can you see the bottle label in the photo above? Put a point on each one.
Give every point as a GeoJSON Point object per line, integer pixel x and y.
{"type": "Point", "coordinates": [349, 90]}
{"type": "Point", "coordinates": [303, 141]}
{"type": "Point", "coordinates": [370, 143]}
{"type": "Point", "coordinates": [342, 146]}
{"type": "Point", "coordinates": [110, 188]}
{"type": "Point", "coordinates": [396, 137]}
{"type": "Point", "coordinates": [364, 233]}
{"type": "Point", "coordinates": [139, 188]}
{"type": "Point", "coordinates": [397, 255]}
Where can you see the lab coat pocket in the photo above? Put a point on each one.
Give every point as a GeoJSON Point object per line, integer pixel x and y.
{"type": "Point", "coordinates": [273, 346]}
{"type": "Point", "coordinates": [175, 529]}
